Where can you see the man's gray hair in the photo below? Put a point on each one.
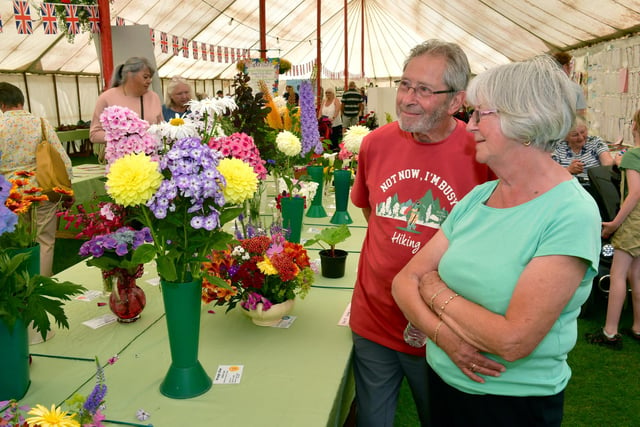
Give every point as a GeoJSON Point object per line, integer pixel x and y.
{"type": "Point", "coordinates": [458, 71]}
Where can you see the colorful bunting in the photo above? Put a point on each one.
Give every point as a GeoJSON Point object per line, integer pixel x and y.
{"type": "Point", "coordinates": [152, 33]}
{"type": "Point", "coordinates": [120, 21]}
{"type": "Point", "coordinates": [185, 47]}
{"type": "Point", "coordinates": [212, 53]}
{"type": "Point", "coordinates": [0, 24]}
{"type": "Point", "coordinates": [22, 14]}
{"type": "Point", "coordinates": [72, 20]}
{"type": "Point", "coordinates": [194, 49]}
{"type": "Point", "coordinates": [94, 19]}
{"type": "Point", "coordinates": [49, 18]}
{"type": "Point", "coordinates": [164, 42]}
{"type": "Point", "coordinates": [176, 45]}
{"type": "Point", "coordinates": [203, 51]}
{"type": "Point", "coordinates": [219, 53]}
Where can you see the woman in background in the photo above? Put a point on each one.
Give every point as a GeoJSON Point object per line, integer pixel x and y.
{"type": "Point", "coordinates": [129, 88]}
{"type": "Point", "coordinates": [176, 98]}
{"type": "Point", "coordinates": [625, 228]}
{"type": "Point", "coordinates": [331, 108]}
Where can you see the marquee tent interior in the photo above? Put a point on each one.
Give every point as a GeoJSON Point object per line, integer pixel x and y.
{"type": "Point", "coordinates": [380, 34]}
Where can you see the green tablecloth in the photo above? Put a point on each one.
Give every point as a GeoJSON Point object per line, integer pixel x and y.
{"type": "Point", "coordinates": [292, 377]}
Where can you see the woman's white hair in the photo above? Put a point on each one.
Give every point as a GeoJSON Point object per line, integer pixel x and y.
{"type": "Point", "coordinates": [535, 100]}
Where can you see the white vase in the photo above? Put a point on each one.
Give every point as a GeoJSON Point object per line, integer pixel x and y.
{"type": "Point", "coordinates": [272, 316]}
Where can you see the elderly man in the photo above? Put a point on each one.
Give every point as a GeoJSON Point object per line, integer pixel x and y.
{"type": "Point", "coordinates": [426, 162]}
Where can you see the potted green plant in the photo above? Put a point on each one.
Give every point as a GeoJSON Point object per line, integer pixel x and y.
{"type": "Point", "coordinates": [332, 260]}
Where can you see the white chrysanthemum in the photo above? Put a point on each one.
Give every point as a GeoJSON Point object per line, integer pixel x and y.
{"type": "Point", "coordinates": [353, 137]}
{"type": "Point", "coordinates": [288, 143]}
{"type": "Point", "coordinates": [213, 106]}
{"type": "Point", "coordinates": [176, 128]}
{"type": "Point", "coordinates": [331, 157]}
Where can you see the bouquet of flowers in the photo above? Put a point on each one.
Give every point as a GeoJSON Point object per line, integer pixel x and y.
{"type": "Point", "coordinates": [123, 249]}
{"type": "Point", "coordinates": [258, 269]}
{"type": "Point", "coordinates": [350, 145]}
{"type": "Point", "coordinates": [104, 219]}
{"type": "Point", "coordinates": [83, 410]}
{"type": "Point", "coordinates": [186, 196]}
{"type": "Point", "coordinates": [21, 198]}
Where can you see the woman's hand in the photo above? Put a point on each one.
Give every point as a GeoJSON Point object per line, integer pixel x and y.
{"type": "Point", "coordinates": [575, 167]}
{"type": "Point", "coordinates": [608, 228]}
{"type": "Point", "coordinates": [466, 357]}
{"type": "Point", "coordinates": [430, 284]}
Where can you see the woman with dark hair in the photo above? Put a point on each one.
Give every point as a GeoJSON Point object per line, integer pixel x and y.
{"type": "Point", "coordinates": [129, 88]}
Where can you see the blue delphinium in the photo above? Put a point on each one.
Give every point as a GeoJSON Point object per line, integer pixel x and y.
{"type": "Point", "coordinates": [8, 219]}
{"type": "Point", "coordinates": [308, 120]}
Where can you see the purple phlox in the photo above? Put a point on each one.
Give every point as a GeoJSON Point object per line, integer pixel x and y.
{"type": "Point", "coordinates": [254, 299]}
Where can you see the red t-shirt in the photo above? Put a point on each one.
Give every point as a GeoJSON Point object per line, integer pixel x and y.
{"type": "Point", "coordinates": [410, 187]}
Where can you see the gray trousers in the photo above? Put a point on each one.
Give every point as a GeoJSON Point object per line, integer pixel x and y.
{"type": "Point", "coordinates": [379, 372]}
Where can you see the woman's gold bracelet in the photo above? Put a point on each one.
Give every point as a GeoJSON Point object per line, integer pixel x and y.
{"type": "Point", "coordinates": [435, 334]}
{"type": "Point", "coordinates": [435, 295]}
{"type": "Point", "coordinates": [444, 305]}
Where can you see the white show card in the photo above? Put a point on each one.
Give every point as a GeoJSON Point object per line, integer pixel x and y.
{"type": "Point", "coordinates": [285, 322]}
{"type": "Point", "coordinates": [344, 320]}
{"type": "Point", "coordinates": [89, 295]}
{"type": "Point", "coordinates": [101, 321]}
{"type": "Point", "coordinates": [228, 374]}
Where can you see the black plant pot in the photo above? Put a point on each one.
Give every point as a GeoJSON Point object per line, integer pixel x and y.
{"type": "Point", "coordinates": [333, 267]}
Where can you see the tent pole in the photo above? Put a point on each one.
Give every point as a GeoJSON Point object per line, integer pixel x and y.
{"type": "Point", "coordinates": [346, 49]}
{"type": "Point", "coordinates": [318, 53]}
{"type": "Point", "coordinates": [362, 39]}
{"type": "Point", "coordinates": [263, 26]}
{"type": "Point", "coordinates": [105, 42]}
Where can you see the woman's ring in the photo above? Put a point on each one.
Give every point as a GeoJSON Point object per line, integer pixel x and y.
{"type": "Point", "coordinates": [473, 367]}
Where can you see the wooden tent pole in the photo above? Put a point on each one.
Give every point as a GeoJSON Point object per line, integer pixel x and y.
{"type": "Point", "coordinates": [263, 30]}
{"type": "Point", "coordinates": [362, 39]}
{"type": "Point", "coordinates": [346, 49]}
{"type": "Point", "coordinates": [318, 53]}
{"type": "Point", "coordinates": [105, 42]}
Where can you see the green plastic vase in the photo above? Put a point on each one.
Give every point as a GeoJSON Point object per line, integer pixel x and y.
{"type": "Point", "coordinates": [316, 210]}
{"type": "Point", "coordinates": [186, 377]}
{"type": "Point", "coordinates": [292, 213]}
{"type": "Point", "coordinates": [14, 361]}
{"type": "Point", "coordinates": [342, 182]}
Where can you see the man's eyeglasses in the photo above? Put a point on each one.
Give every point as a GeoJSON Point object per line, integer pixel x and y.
{"type": "Point", "coordinates": [420, 90]}
{"type": "Point", "coordinates": [477, 114]}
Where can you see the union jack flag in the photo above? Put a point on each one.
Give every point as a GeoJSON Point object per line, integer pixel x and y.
{"type": "Point", "coordinates": [119, 21]}
{"type": "Point", "coordinates": [94, 18]}
{"type": "Point", "coordinates": [233, 55]}
{"type": "Point", "coordinates": [0, 24]}
{"type": "Point", "coordinates": [226, 54]}
{"type": "Point", "coordinates": [176, 45]}
{"type": "Point", "coordinates": [203, 51]}
{"type": "Point", "coordinates": [152, 33]}
{"type": "Point", "coordinates": [219, 53]}
{"type": "Point", "coordinates": [22, 13]}
{"type": "Point", "coordinates": [73, 22]}
{"type": "Point", "coordinates": [49, 18]}
{"type": "Point", "coordinates": [185, 47]}
{"type": "Point", "coordinates": [194, 47]}
{"type": "Point", "coordinates": [212, 53]}
{"type": "Point", "coordinates": [164, 42]}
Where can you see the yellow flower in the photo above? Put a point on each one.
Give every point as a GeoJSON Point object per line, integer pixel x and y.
{"type": "Point", "coordinates": [242, 181]}
{"type": "Point", "coordinates": [288, 143]}
{"type": "Point", "coordinates": [55, 417]}
{"type": "Point", "coordinates": [176, 121]}
{"type": "Point", "coordinates": [133, 179]}
{"type": "Point", "coordinates": [353, 137]}
{"type": "Point", "coordinates": [266, 267]}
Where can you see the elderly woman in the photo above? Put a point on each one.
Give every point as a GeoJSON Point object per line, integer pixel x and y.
{"type": "Point", "coordinates": [511, 265]}
{"type": "Point", "coordinates": [176, 98]}
{"type": "Point", "coordinates": [580, 152]}
{"type": "Point", "coordinates": [129, 88]}
{"type": "Point", "coordinates": [331, 108]}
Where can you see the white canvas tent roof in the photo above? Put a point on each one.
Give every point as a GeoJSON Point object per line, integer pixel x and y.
{"type": "Point", "coordinates": [490, 31]}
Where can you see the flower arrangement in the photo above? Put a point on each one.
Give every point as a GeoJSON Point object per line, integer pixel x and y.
{"type": "Point", "coordinates": [185, 197]}
{"type": "Point", "coordinates": [83, 410]}
{"type": "Point", "coordinates": [125, 132]}
{"type": "Point", "coordinates": [350, 145]}
{"type": "Point", "coordinates": [258, 269]}
{"type": "Point", "coordinates": [103, 219]}
{"type": "Point", "coordinates": [369, 120]}
{"type": "Point", "coordinates": [122, 249]}
{"type": "Point", "coordinates": [24, 297]}
{"type": "Point", "coordinates": [21, 198]}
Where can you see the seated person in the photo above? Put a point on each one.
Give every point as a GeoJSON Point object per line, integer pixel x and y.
{"type": "Point", "coordinates": [580, 152]}
{"type": "Point", "coordinates": [176, 98]}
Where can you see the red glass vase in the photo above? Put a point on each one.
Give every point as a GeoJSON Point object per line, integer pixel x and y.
{"type": "Point", "coordinates": [127, 300]}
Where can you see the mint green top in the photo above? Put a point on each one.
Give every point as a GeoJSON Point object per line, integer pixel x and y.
{"type": "Point", "coordinates": [488, 250]}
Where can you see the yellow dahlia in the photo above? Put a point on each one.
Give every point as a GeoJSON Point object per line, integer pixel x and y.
{"type": "Point", "coordinates": [242, 181]}
{"type": "Point", "coordinates": [55, 417]}
{"type": "Point", "coordinates": [266, 267]}
{"type": "Point", "coordinates": [288, 143]}
{"type": "Point", "coordinates": [133, 179]}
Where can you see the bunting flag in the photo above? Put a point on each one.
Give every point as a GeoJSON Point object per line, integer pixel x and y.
{"type": "Point", "coordinates": [94, 19]}
{"type": "Point", "coordinates": [0, 24]}
{"type": "Point", "coordinates": [152, 33]}
{"type": "Point", "coordinates": [219, 53]}
{"type": "Point", "coordinates": [72, 20]}
{"type": "Point", "coordinates": [185, 47]}
{"type": "Point", "coordinates": [212, 53]}
{"type": "Point", "coordinates": [22, 14]}
{"type": "Point", "coordinates": [226, 54]}
{"type": "Point", "coordinates": [164, 42]}
{"type": "Point", "coordinates": [120, 21]}
{"type": "Point", "coordinates": [49, 19]}
{"type": "Point", "coordinates": [194, 49]}
{"type": "Point", "coordinates": [233, 55]}
{"type": "Point", "coordinates": [176, 45]}
{"type": "Point", "coordinates": [203, 51]}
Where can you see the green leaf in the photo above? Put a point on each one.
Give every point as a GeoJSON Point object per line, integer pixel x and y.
{"type": "Point", "coordinates": [331, 236]}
